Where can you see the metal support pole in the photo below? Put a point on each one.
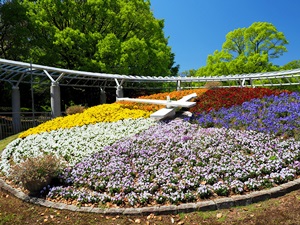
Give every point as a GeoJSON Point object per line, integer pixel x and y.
{"type": "Point", "coordinates": [178, 85]}
{"type": "Point", "coordinates": [119, 92]}
{"type": "Point", "coordinates": [102, 96]}
{"type": "Point", "coordinates": [55, 99]}
{"type": "Point", "coordinates": [243, 82]}
{"type": "Point", "coordinates": [251, 82]}
{"type": "Point", "coordinates": [16, 109]}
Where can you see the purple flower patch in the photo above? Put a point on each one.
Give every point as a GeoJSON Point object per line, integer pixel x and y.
{"type": "Point", "coordinates": [277, 115]}
{"type": "Point", "coordinates": [181, 162]}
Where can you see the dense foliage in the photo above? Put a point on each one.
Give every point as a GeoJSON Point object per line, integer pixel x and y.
{"type": "Point", "coordinates": [246, 50]}
{"type": "Point", "coordinates": [115, 36]}
{"type": "Point", "coordinates": [14, 30]}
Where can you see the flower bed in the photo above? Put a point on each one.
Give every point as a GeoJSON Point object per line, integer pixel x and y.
{"type": "Point", "coordinates": [227, 97]}
{"type": "Point", "coordinates": [72, 144]}
{"type": "Point", "coordinates": [137, 162]}
{"type": "Point", "coordinates": [277, 115]}
{"type": "Point", "coordinates": [180, 162]}
{"type": "Point", "coordinates": [96, 114]}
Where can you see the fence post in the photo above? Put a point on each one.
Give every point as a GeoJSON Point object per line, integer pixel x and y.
{"type": "Point", "coordinates": [16, 109]}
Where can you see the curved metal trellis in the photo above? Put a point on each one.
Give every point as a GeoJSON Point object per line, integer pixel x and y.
{"type": "Point", "coordinates": [15, 72]}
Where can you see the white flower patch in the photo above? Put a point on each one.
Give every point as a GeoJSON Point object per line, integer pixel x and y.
{"type": "Point", "coordinates": [72, 144]}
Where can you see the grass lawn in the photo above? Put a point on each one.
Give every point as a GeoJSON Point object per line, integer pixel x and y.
{"type": "Point", "coordinates": [6, 141]}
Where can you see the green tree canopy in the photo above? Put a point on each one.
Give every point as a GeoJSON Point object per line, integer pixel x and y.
{"type": "Point", "coordinates": [259, 38]}
{"type": "Point", "coordinates": [13, 30]}
{"type": "Point", "coordinates": [246, 50]}
{"type": "Point", "coordinates": [295, 64]}
{"type": "Point", "coordinates": [111, 36]}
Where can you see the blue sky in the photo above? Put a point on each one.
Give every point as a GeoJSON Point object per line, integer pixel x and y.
{"type": "Point", "coordinates": [196, 28]}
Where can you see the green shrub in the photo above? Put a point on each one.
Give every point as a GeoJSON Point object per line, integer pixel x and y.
{"type": "Point", "coordinates": [213, 84]}
{"type": "Point", "coordinates": [36, 173]}
{"type": "Point", "coordinates": [5, 109]}
{"type": "Point", "coordinates": [75, 109]}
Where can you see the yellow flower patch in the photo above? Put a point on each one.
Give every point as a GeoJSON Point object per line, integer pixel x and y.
{"type": "Point", "coordinates": [96, 114]}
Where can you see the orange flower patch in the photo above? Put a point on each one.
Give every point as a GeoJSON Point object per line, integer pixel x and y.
{"type": "Point", "coordinates": [174, 95]}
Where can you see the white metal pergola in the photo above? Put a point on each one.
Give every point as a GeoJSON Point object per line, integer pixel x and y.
{"type": "Point", "coordinates": [15, 72]}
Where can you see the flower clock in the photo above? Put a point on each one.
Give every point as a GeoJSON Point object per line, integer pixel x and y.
{"type": "Point", "coordinates": [118, 156]}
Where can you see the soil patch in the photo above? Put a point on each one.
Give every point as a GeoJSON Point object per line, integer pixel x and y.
{"type": "Point", "coordinates": [282, 210]}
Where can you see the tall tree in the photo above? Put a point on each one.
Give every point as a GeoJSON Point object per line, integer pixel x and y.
{"type": "Point", "coordinates": [173, 69]}
{"type": "Point", "coordinates": [189, 73]}
{"type": "Point", "coordinates": [246, 50]}
{"type": "Point", "coordinates": [112, 36]}
{"type": "Point", "coordinates": [14, 33]}
{"type": "Point", "coordinates": [235, 42]}
{"type": "Point", "coordinates": [264, 38]}
{"type": "Point", "coordinates": [295, 64]}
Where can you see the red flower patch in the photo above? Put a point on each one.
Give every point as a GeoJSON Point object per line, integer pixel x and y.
{"type": "Point", "coordinates": [227, 97]}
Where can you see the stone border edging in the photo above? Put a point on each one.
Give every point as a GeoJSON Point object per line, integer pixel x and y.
{"type": "Point", "coordinates": [214, 204]}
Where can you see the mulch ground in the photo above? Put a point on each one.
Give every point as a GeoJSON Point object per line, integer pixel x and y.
{"type": "Point", "coordinates": [283, 210]}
